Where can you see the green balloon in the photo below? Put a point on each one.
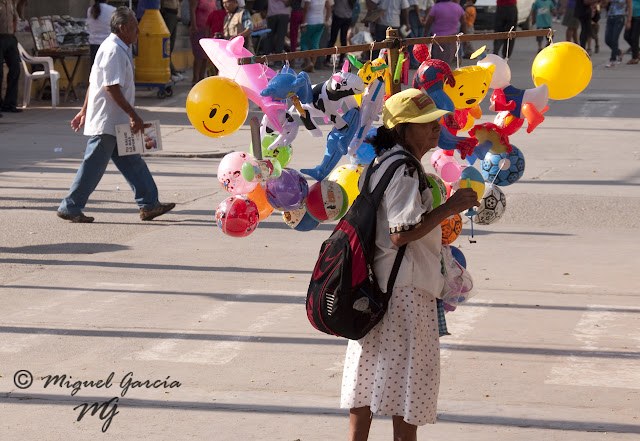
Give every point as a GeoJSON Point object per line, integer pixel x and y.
{"type": "Point", "coordinates": [282, 154]}
{"type": "Point", "coordinates": [438, 190]}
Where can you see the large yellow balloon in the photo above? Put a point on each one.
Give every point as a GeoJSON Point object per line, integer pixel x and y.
{"type": "Point", "coordinates": [564, 67]}
{"type": "Point", "coordinates": [217, 106]}
{"type": "Point", "coordinates": [347, 176]}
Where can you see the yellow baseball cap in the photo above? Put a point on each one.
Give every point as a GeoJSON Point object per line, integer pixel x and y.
{"type": "Point", "coordinates": [410, 106]}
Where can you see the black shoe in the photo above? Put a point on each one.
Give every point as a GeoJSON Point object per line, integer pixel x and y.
{"type": "Point", "coordinates": [76, 219]}
{"type": "Point", "coordinates": [11, 109]}
{"type": "Point", "coordinates": [147, 215]}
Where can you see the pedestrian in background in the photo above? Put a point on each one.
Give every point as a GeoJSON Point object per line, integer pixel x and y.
{"type": "Point", "coordinates": [109, 102]}
{"type": "Point", "coordinates": [595, 26]}
{"type": "Point", "coordinates": [582, 12]}
{"type": "Point", "coordinates": [542, 15]}
{"type": "Point", "coordinates": [237, 22]}
{"type": "Point", "coordinates": [278, 14]}
{"type": "Point", "coordinates": [199, 12]}
{"type": "Point", "coordinates": [618, 18]}
{"type": "Point", "coordinates": [169, 12]}
{"type": "Point", "coordinates": [341, 19]}
{"type": "Point", "coordinates": [9, 54]}
{"type": "Point", "coordinates": [445, 18]}
{"type": "Point", "coordinates": [417, 18]}
{"type": "Point", "coordinates": [570, 21]}
{"type": "Point", "coordinates": [294, 23]}
{"type": "Point", "coordinates": [470, 19]}
{"type": "Point", "coordinates": [632, 35]}
{"type": "Point", "coordinates": [98, 25]}
{"type": "Point", "coordinates": [315, 19]}
{"type": "Point", "coordinates": [506, 19]}
{"type": "Point", "coordinates": [396, 13]}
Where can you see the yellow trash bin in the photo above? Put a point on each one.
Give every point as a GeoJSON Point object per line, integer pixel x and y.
{"type": "Point", "coordinates": [153, 62]}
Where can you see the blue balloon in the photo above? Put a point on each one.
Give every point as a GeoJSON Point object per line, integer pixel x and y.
{"type": "Point", "coordinates": [491, 167]}
{"type": "Point", "coordinates": [457, 254]}
{"type": "Point", "coordinates": [365, 153]}
{"type": "Point", "coordinates": [472, 174]}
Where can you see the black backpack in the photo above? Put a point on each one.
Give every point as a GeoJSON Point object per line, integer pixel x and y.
{"type": "Point", "coordinates": [344, 298]}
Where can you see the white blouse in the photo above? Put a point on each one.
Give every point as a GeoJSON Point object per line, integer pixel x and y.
{"type": "Point", "coordinates": [401, 209]}
{"type": "Point", "coordinates": [100, 28]}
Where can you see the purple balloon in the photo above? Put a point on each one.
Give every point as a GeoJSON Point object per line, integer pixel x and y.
{"type": "Point", "coordinates": [287, 192]}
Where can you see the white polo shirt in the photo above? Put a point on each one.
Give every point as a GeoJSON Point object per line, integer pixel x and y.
{"type": "Point", "coordinates": [113, 65]}
{"type": "Point", "coordinates": [393, 10]}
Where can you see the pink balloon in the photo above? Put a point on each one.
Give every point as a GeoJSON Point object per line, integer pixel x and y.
{"type": "Point", "coordinates": [446, 166]}
{"type": "Point", "coordinates": [230, 173]}
{"type": "Point", "coordinates": [450, 171]}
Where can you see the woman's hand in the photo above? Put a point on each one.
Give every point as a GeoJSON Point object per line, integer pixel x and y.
{"type": "Point", "coordinates": [461, 200]}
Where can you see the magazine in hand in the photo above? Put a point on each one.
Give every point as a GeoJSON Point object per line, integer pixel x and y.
{"type": "Point", "coordinates": [148, 141]}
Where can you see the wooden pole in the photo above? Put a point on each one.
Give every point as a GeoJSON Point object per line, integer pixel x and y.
{"type": "Point", "coordinates": [393, 52]}
{"type": "Point", "coordinates": [396, 41]}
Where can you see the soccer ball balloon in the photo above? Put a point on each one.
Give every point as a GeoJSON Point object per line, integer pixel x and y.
{"type": "Point", "coordinates": [491, 168]}
{"type": "Point", "coordinates": [491, 207]}
{"type": "Point", "coordinates": [451, 228]}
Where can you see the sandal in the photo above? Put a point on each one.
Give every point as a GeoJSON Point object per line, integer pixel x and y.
{"type": "Point", "coordinates": [634, 61]}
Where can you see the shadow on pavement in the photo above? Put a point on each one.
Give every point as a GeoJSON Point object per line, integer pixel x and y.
{"type": "Point", "coordinates": [490, 420]}
{"type": "Point", "coordinates": [66, 248]}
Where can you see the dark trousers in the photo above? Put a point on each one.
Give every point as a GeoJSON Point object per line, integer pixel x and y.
{"type": "Point", "coordinates": [632, 36]}
{"type": "Point", "coordinates": [9, 54]}
{"type": "Point", "coordinates": [278, 25]}
{"type": "Point", "coordinates": [338, 25]}
{"type": "Point", "coordinates": [380, 33]}
{"type": "Point", "coordinates": [585, 29]}
{"type": "Point", "coordinates": [93, 51]}
{"type": "Point", "coordinates": [170, 17]}
{"type": "Point", "coordinates": [506, 18]}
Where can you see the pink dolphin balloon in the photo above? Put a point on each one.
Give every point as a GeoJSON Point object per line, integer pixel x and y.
{"type": "Point", "coordinates": [253, 78]}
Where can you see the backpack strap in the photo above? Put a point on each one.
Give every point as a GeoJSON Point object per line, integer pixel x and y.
{"type": "Point", "coordinates": [399, 158]}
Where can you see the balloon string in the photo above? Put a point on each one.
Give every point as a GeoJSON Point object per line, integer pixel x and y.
{"type": "Point", "coordinates": [458, 49]}
{"type": "Point", "coordinates": [508, 40]}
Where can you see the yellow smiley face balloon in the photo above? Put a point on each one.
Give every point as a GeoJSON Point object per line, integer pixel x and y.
{"type": "Point", "coordinates": [217, 106]}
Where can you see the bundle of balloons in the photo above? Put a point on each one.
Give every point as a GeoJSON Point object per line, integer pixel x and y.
{"type": "Point", "coordinates": [352, 103]}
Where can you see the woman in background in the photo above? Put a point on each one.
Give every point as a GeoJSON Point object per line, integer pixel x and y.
{"type": "Point", "coordinates": [445, 18]}
{"type": "Point", "coordinates": [98, 24]}
{"type": "Point", "coordinates": [200, 11]}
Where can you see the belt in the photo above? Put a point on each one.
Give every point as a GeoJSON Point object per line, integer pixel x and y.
{"type": "Point", "coordinates": [168, 11]}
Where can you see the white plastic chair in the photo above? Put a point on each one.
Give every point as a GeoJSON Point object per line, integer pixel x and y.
{"type": "Point", "coordinates": [48, 72]}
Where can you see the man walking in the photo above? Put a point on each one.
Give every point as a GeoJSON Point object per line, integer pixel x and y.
{"type": "Point", "coordinates": [109, 102]}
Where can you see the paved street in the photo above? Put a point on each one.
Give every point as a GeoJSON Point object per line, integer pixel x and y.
{"type": "Point", "coordinates": [549, 348]}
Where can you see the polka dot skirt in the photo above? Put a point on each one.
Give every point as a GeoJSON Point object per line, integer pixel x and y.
{"type": "Point", "coordinates": [395, 368]}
